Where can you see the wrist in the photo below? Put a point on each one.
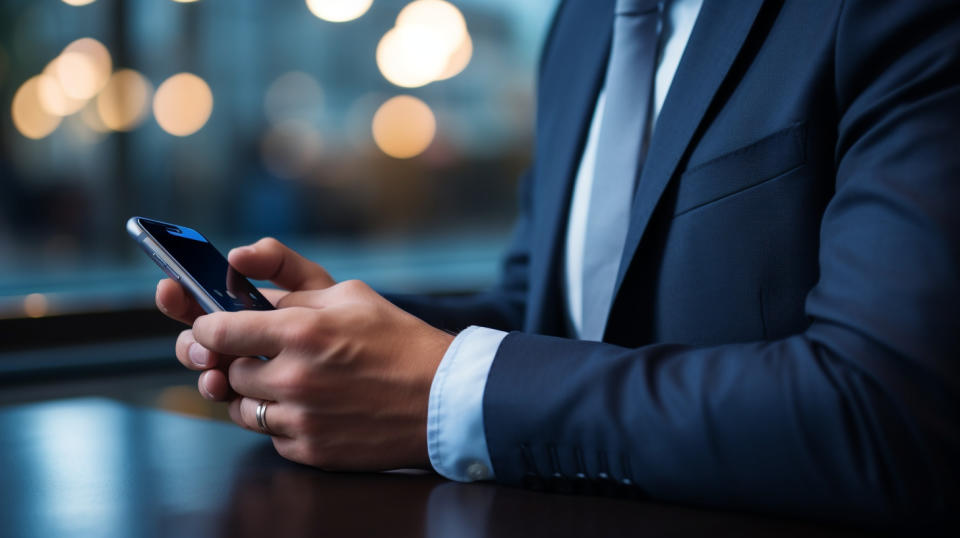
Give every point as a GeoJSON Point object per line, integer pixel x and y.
{"type": "Point", "coordinates": [456, 440]}
{"type": "Point", "coordinates": [440, 343]}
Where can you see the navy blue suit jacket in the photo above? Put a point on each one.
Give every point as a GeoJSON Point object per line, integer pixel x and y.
{"type": "Point", "coordinates": [786, 325]}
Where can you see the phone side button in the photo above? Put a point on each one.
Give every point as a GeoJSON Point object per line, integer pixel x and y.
{"type": "Point", "coordinates": [171, 274]}
{"type": "Point", "coordinates": [165, 267]}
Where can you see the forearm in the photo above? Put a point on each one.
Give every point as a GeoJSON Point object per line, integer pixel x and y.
{"type": "Point", "coordinates": [794, 426]}
{"type": "Point", "coordinates": [495, 309]}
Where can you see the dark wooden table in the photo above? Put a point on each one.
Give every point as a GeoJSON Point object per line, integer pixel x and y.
{"type": "Point", "coordinates": [95, 467]}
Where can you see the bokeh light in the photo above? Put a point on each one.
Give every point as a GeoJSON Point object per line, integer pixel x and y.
{"type": "Point", "coordinates": [76, 74]}
{"type": "Point", "coordinates": [403, 127]}
{"type": "Point", "coordinates": [338, 10]}
{"type": "Point", "coordinates": [28, 114]}
{"type": "Point", "coordinates": [291, 148]}
{"type": "Point", "coordinates": [293, 95]}
{"type": "Point", "coordinates": [78, 2]}
{"type": "Point", "coordinates": [83, 68]}
{"type": "Point", "coordinates": [429, 42]}
{"type": "Point", "coordinates": [124, 102]}
{"type": "Point", "coordinates": [442, 18]}
{"type": "Point", "coordinates": [182, 104]}
{"type": "Point", "coordinates": [52, 98]}
{"type": "Point", "coordinates": [408, 56]}
{"type": "Point", "coordinates": [35, 305]}
{"type": "Point", "coordinates": [459, 60]}
{"type": "Point", "coordinates": [73, 77]}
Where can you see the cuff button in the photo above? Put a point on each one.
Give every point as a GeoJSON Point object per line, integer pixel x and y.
{"type": "Point", "coordinates": [478, 471]}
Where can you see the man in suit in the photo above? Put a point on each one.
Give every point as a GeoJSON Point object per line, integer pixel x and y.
{"type": "Point", "coordinates": [741, 290]}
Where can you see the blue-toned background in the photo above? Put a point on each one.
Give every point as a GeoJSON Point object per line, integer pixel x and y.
{"type": "Point", "coordinates": [245, 118]}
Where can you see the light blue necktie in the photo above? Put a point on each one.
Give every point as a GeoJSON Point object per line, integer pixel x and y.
{"type": "Point", "coordinates": [621, 146]}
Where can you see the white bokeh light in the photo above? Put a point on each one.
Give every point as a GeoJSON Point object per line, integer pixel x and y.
{"type": "Point", "coordinates": [338, 10]}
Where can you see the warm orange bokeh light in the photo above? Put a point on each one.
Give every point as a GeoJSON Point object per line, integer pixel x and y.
{"type": "Point", "coordinates": [408, 56]}
{"type": "Point", "coordinates": [76, 74]}
{"type": "Point", "coordinates": [459, 60]}
{"type": "Point", "coordinates": [28, 114]}
{"type": "Point", "coordinates": [83, 68]}
{"type": "Point", "coordinates": [124, 102]}
{"type": "Point", "coordinates": [443, 19]}
{"type": "Point", "coordinates": [35, 305]}
{"type": "Point", "coordinates": [51, 95]}
{"type": "Point", "coordinates": [429, 42]}
{"type": "Point", "coordinates": [403, 127]}
{"type": "Point", "coordinates": [182, 104]}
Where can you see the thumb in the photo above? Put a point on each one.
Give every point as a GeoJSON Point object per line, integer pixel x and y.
{"type": "Point", "coordinates": [269, 259]}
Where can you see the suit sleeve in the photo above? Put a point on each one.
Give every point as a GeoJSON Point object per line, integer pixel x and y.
{"type": "Point", "coordinates": [502, 307]}
{"type": "Point", "coordinates": [855, 417]}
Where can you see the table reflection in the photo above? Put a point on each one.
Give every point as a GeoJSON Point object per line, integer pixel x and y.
{"type": "Point", "coordinates": [95, 467]}
{"type": "Point", "coordinates": [272, 495]}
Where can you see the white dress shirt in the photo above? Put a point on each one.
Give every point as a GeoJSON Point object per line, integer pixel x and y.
{"type": "Point", "coordinates": [456, 440]}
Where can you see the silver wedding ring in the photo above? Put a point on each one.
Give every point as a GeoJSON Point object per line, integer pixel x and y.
{"type": "Point", "coordinates": [262, 417]}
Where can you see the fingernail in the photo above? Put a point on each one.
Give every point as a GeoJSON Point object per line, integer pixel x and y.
{"type": "Point", "coordinates": [198, 355]}
{"type": "Point", "coordinates": [243, 250]}
{"type": "Point", "coordinates": [203, 387]}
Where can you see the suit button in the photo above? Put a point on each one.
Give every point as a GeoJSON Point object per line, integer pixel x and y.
{"type": "Point", "coordinates": [581, 484]}
{"type": "Point", "coordinates": [561, 484]}
{"type": "Point", "coordinates": [478, 471]}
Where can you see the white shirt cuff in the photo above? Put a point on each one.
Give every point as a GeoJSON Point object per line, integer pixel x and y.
{"type": "Point", "coordinates": [456, 440]}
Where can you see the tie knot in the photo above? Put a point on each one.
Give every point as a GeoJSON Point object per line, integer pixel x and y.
{"type": "Point", "coordinates": [636, 7]}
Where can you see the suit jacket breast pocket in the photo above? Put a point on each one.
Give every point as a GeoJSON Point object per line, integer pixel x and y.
{"type": "Point", "coordinates": [766, 159]}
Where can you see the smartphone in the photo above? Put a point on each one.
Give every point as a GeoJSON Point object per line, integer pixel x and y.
{"type": "Point", "coordinates": [188, 257]}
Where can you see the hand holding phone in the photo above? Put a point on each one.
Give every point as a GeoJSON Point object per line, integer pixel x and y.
{"type": "Point", "coordinates": [189, 258]}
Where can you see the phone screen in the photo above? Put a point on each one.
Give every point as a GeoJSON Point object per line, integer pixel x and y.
{"type": "Point", "coordinates": [207, 266]}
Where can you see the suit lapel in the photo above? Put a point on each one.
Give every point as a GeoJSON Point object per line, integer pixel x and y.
{"type": "Point", "coordinates": [718, 35]}
{"type": "Point", "coordinates": [573, 69]}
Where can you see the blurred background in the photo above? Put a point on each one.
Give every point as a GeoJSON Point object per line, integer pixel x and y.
{"type": "Point", "coordinates": [382, 138]}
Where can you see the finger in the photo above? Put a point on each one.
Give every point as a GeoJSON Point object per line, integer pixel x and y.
{"type": "Point", "coordinates": [269, 259]}
{"type": "Point", "coordinates": [174, 301]}
{"type": "Point", "coordinates": [243, 411]}
{"type": "Point", "coordinates": [196, 357]}
{"type": "Point", "coordinates": [310, 299]}
{"type": "Point", "coordinates": [246, 332]}
{"type": "Point", "coordinates": [233, 409]}
{"type": "Point", "coordinates": [213, 385]}
{"type": "Point", "coordinates": [249, 377]}
{"type": "Point", "coordinates": [273, 295]}
{"type": "Point", "coordinates": [290, 449]}
{"type": "Point", "coordinates": [346, 291]}
{"type": "Point", "coordinates": [275, 417]}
